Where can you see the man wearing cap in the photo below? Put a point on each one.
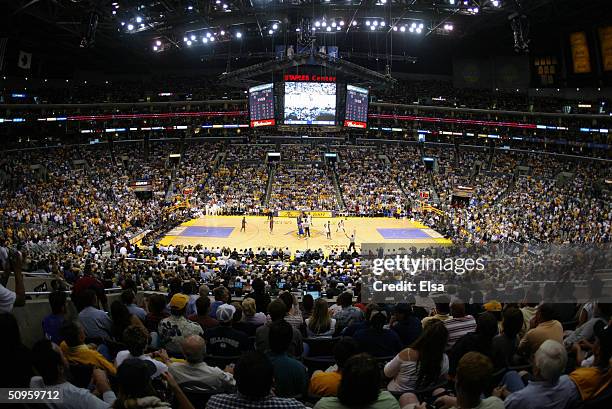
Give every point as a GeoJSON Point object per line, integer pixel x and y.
{"type": "Point", "coordinates": [224, 340]}
{"type": "Point", "coordinates": [174, 329]}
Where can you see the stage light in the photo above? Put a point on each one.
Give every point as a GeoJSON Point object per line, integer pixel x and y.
{"type": "Point", "coordinates": [342, 22]}
{"type": "Point", "coordinates": [222, 32]}
{"type": "Point", "coordinates": [411, 29]}
{"type": "Point", "coordinates": [403, 29]}
{"type": "Point", "coordinates": [297, 30]}
{"type": "Point", "coordinates": [317, 23]}
{"type": "Point", "coordinates": [204, 40]}
{"type": "Point", "coordinates": [270, 31]}
{"type": "Point", "coordinates": [375, 23]}
{"type": "Point", "coordinates": [122, 23]}
{"type": "Point", "coordinates": [419, 30]}
{"type": "Point", "coordinates": [495, 3]}
{"type": "Point", "coordinates": [193, 37]}
{"type": "Point", "coordinates": [338, 28]}
{"type": "Point", "coordinates": [354, 23]}
{"type": "Point", "coordinates": [114, 12]}
{"type": "Point", "coordinates": [421, 25]}
{"type": "Point", "coordinates": [372, 28]}
{"type": "Point", "coordinates": [189, 7]}
{"type": "Point", "coordinates": [333, 24]}
{"type": "Point", "coordinates": [185, 39]}
{"type": "Point", "coordinates": [208, 35]}
{"type": "Point", "coordinates": [139, 19]}
{"type": "Point", "coordinates": [394, 28]}
{"type": "Point", "coordinates": [188, 42]}
{"type": "Point", "coordinates": [154, 48]}
{"type": "Point", "coordinates": [367, 22]}
{"type": "Point", "coordinates": [274, 26]}
{"type": "Point", "coordinates": [328, 29]}
{"type": "Point", "coordinates": [130, 27]}
{"type": "Point", "coordinates": [451, 2]}
{"type": "Point", "coordinates": [158, 43]}
{"type": "Point", "coordinates": [225, 6]}
{"type": "Point", "coordinates": [212, 39]}
{"type": "Point", "coordinates": [324, 23]}
{"type": "Point", "coordinates": [382, 24]}
{"type": "Point", "coordinates": [239, 35]}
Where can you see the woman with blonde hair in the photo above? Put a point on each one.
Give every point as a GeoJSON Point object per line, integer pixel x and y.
{"type": "Point", "coordinates": [251, 315]}
{"type": "Point", "coordinates": [320, 324]}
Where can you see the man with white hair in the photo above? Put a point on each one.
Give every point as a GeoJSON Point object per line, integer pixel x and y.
{"type": "Point", "coordinates": [551, 389]}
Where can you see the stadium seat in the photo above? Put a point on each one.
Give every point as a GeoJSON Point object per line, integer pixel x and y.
{"type": "Point", "coordinates": [321, 347]}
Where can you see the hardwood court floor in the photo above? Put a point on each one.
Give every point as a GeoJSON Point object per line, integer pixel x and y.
{"type": "Point", "coordinates": [213, 231]}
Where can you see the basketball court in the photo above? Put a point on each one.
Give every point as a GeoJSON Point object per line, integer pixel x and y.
{"type": "Point", "coordinates": [219, 231]}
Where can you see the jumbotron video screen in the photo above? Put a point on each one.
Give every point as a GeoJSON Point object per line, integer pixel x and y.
{"type": "Point", "coordinates": [356, 107]}
{"type": "Point", "coordinates": [310, 103]}
{"type": "Point", "coordinates": [261, 105]}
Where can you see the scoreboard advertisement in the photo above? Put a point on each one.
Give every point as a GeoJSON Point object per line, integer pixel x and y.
{"type": "Point", "coordinates": [261, 105]}
{"type": "Point", "coordinates": [356, 107]}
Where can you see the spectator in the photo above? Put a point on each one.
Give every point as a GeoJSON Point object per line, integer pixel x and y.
{"type": "Point", "coordinates": [320, 324]}
{"type": "Point", "coordinates": [307, 305]}
{"type": "Point", "coordinates": [547, 327]}
{"type": "Point", "coordinates": [250, 312]}
{"type": "Point", "coordinates": [442, 311]}
{"type": "Point", "coordinates": [176, 327]}
{"type": "Point", "coordinates": [51, 367]}
{"type": "Point", "coordinates": [8, 298]}
{"type": "Point", "coordinates": [375, 339]}
{"type": "Point", "coordinates": [473, 377]}
{"type": "Point", "coordinates": [360, 387]}
{"type": "Point", "coordinates": [122, 318]}
{"type": "Point", "coordinates": [15, 355]}
{"type": "Point", "coordinates": [127, 298]}
{"type": "Point", "coordinates": [478, 341]}
{"type": "Point", "coordinates": [262, 300]}
{"type": "Point", "coordinates": [239, 323]}
{"type": "Point", "coordinates": [77, 353]}
{"type": "Point", "coordinates": [348, 313]}
{"type": "Point", "coordinates": [277, 310]}
{"type": "Point", "coordinates": [504, 345]}
{"type": "Point", "coordinates": [422, 364]}
{"type": "Point", "coordinates": [459, 324]}
{"type": "Point", "coordinates": [224, 340]}
{"type": "Point", "coordinates": [136, 390]}
{"type": "Point", "coordinates": [602, 313]}
{"type": "Point", "coordinates": [254, 376]}
{"type": "Point", "coordinates": [195, 374]}
{"type": "Point", "coordinates": [405, 324]}
{"type": "Point", "coordinates": [294, 315]}
{"type": "Point", "coordinates": [136, 342]}
{"type": "Point", "coordinates": [549, 389]}
{"type": "Point", "coordinates": [53, 322]}
{"type": "Point", "coordinates": [96, 323]}
{"type": "Point", "coordinates": [156, 307]}
{"type": "Point", "coordinates": [290, 376]}
{"type": "Point", "coordinates": [326, 383]}
{"type": "Point", "coordinates": [221, 295]}
{"type": "Point", "coordinates": [203, 316]}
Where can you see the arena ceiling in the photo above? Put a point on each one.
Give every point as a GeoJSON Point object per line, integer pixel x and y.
{"type": "Point", "coordinates": [389, 30]}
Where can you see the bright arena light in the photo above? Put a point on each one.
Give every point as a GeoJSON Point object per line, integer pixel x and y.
{"type": "Point", "coordinates": [270, 31]}
{"type": "Point", "coordinates": [420, 25]}
{"type": "Point", "coordinates": [382, 24]}
{"type": "Point", "coordinates": [222, 32]}
{"type": "Point", "coordinates": [208, 35]}
{"type": "Point", "coordinates": [158, 43]}
{"type": "Point", "coordinates": [212, 39]}
{"type": "Point", "coordinates": [495, 3]}
{"type": "Point", "coordinates": [275, 26]}
{"type": "Point", "coordinates": [403, 29]}
{"type": "Point", "coordinates": [188, 42]}
{"type": "Point", "coordinates": [333, 24]}
{"type": "Point", "coordinates": [367, 22]}
{"type": "Point", "coordinates": [338, 28]}
{"type": "Point", "coordinates": [354, 23]}
{"type": "Point", "coordinates": [154, 48]}
{"type": "Point", "coordinates": [411, 29]}
{"type": "Point", "coordinates": [375, 23]}
{"type": "Point", "coordinates": [193, 37]}
{"type": "Point", "coordinates": [328, 29]}
{"type": "Point", "coordinates": [130, 27]}
{"type": "Point", "coordinates": [204, 40]}
{"type": "Point", "coordinates": [372, 28]}
{"type": "Point", "coordinates": [139, 19]}
{"type": "Point", "coordinates": [317, 23]}
{"type": "Point", "coordinates": [342, 22]}
{"type": "Point", "coordinates": [324, 24]}
{"type": "Point", "coordinates": [239, 35]}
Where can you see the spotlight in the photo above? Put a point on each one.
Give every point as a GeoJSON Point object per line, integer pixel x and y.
{"type": "Point", "coordinates": [324, 24]}
{"type": "Point", "coordinates": [382, 23]}
{"type": "Point", "coordinates": [394, 28]}
{"type": "Point", "coordinates": [419, 30]}
{"type": "Point", "coordinates": [122, 23]}
{"type": "Point", "coordinates": [270, 31]}
{"type": "Point", "coordinates": [375, 23]}
{"type": "Point", "coordinates": [317, 23]}
{"type": "Point", "coordinates": [139, 19]}
{"type": "Point", "coordinates": [225, 6]}
{"type": "Point", "coordinates": [495, 3]}
{"type": "Point", "coordinates": [185, 39]}
{"type": "Point", "coordinates": [158, 43]}
{"type": "Point", "coordinates": [411, 29]}
{"type": "Point", "coordinates": [333, 24]}
{"type": "Point", "coordinates": [297, 30]}
{"type": "Point", "coordinates": [403, 29]}
{"type": "Point", "coordinates": [451, 2]}
{"type": "Point", "coordinates": [372, 28]}
{"type": "Point", "coordinates": [367, 22]}
{"type": "Point", "coordinates": [188, 42]}
{"type": "Point", "coordinates": [342, 22]}
{"type": "Point", "coordinates": [420, 25]}
{"type": "Point", "coordinates": [354, 23]}
{"type": "Point", "coordinates": [204, 40]}
{"type": "Point", "coordinates": [413, 25]}
{"type": "Point", "coordinates": [274, 26]}
{"type": "Point", "coordinates": [212, 39]}
{"type": "Point", "coordinates": [154, 48]}
{"type": "Point", "coordinates": [338, 28]}
{"type": "Point", "coordinates": [130, 27]}
{"type": "Point", "coordinates": [193, 37]}
{"type": "Point", "coordinates": [189, 7]}
{"type": "Point", "coordinates": [222, 32]}
{"type": "Point", "coordinates": [328, 29]}
{"type": "Point", "coordinates": [239, 35]}
{"type": "Point", "coordinates": [208, 35]}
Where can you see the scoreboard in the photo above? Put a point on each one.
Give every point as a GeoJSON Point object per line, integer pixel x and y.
{"type": "Point", "coordinates": [356, 107]}
{"type": "Point", "coordinates": [261, 105]}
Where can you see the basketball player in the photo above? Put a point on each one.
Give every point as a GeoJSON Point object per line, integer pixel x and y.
{"type": "Point", "coordinates": [307, 226]}
{"type": "Point", "coordinates": [243, 228]}
{"type": "Point", "coordinates": [271, 222]}
{"type": "Point", "coordinates": [340, 226]}
{"type": "Point", "coordinates": [328, 230]}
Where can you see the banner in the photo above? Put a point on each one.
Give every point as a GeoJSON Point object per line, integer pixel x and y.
{"type": "Point", "coordinates": [605, 38]}
{"type": "Point", "coordinates": [296, 213]}
{"type": "Point", "coordinates": [25, 60]}
{"type": "Point", "coordinates": [580, 53]}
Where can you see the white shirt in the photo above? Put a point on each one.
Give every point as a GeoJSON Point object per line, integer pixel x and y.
{"type": "Point", "coordinates": [74, 397]}
{"type": "Point", "coordinates": [7, 299]}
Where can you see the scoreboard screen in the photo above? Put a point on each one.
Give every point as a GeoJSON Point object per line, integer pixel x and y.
{"type": "Point", "coordinates": [310, 103]}
{"type": "Point", "coordinates": [261, 105]}
{"type": "Point", "coordinates": [356, 107]}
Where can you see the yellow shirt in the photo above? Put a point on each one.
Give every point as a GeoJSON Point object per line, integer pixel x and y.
{"type": "Point", "coordinates": [83, 355]}
{"type": "Point", "coordinates": [325, 383]}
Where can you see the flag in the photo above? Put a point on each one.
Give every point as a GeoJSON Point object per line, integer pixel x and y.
{"type": "Point", "coordinates": [3, 43]}
{"type": "Point", "coordinates": [25, 60]}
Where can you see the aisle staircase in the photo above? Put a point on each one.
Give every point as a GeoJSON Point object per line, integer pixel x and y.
{"type": "Point", "coordinates": [337, 189]}
{"type": "Point", "coordinates": [271, 173]}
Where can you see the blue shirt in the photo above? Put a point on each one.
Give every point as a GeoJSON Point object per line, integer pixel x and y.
{"type": "Point", "coordinates": [213, 308]}
{"type": "Point", "coordinates": [137, 311]}
{"type": "Point", "coordinates": [544, 395]}
{"type": "Point", "coordinates": [96, 323]}
{"type": "Point", "coordinates": [290, 378]}
{"type": "Point", "coordinates": [51, 326]}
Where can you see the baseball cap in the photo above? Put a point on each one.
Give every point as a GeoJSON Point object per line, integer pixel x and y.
{"type": "Point", "coordinates": [225, 312]}
{"type": "Point", "coordinates": [134, 375]}
{"type": "Point", "coordinates": [493, 306]}
{"type": "Point", "coordinates": [179, 301]}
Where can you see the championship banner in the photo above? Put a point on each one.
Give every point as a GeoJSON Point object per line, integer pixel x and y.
{"type": "Point", "coordinates": [296, 213]}
{"type": "Point", "coordinates": [580, 53]}
{"type": "Point", "coordinates": [605, 38]}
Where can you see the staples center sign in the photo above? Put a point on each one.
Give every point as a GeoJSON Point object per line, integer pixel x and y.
{"type": "Point", "coordinates": [308, 77]}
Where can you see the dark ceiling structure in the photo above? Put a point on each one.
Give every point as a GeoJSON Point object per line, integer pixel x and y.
{"type": "Point", "coordinates": [385, 31]}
